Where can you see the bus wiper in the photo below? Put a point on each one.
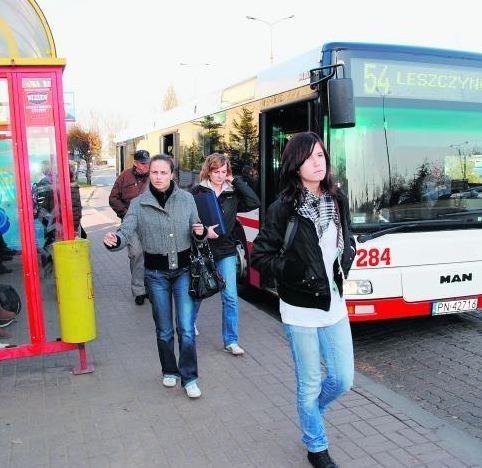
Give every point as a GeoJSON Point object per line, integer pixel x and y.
{"type": "Point", "coordinates": [459, 213]}
{"type": "Point", "coordinates": [373, 235]}
{"type": "Point", "coordinates": [425, 222]}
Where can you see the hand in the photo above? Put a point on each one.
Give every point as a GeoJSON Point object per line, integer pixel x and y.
{"type": "Point", "coordinates": [211, 231]}
{"type": "Point", "coordinates": [198, 229]}
{"type": "Point", "coordinates": [230, 178]}
{"type": "Point", "coordinates": [110, 239]}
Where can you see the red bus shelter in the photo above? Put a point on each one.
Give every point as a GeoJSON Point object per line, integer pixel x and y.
{"type": "Point", "coordinates": [35, 197]}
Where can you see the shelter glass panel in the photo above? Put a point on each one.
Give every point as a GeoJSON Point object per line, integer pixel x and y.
{"type": "Point", "coordinates": [38, 99]}
{"type": "Point", "coordinates": [13, 317]}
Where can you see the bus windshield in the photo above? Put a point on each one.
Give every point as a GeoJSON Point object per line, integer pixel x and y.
{"type": "Point", "coordinates": [416, 151]}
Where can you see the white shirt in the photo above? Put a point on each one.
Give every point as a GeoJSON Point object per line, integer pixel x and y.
{"type": "Point", "coordinates": [311, 317]}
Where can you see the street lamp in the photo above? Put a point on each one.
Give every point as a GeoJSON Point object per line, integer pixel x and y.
{"type": "Point", "coordinates": [270, 24]}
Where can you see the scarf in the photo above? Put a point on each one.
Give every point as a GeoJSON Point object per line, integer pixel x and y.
{"type": "Point", "coordinates": [321, 211]}
{"type": "Point", "coordinates": [161, 197]}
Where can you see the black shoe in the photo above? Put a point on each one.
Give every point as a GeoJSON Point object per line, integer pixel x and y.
{"type": "Point", "coordinates": [139, 300]}
{"type": "Point", "coordinates": [321, 459]}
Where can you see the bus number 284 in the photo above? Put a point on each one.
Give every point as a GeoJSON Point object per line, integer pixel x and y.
{"type": "Point", "coordinates": [372, 257]}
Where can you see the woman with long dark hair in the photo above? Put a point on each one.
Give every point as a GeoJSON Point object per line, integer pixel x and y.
{"type": "Point", "coordinates": [310, 282]}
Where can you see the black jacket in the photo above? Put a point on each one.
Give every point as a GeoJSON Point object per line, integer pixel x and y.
{"type": "Point", "coordinates": [312, 288]}
{"type": "Point", "coordinates": [240, 200]}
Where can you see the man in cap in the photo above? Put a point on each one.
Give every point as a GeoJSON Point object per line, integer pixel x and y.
{"type": "Point", "coordinates": [131, 183]}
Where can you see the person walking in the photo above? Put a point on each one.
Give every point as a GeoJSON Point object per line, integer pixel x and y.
{"type": "Point", "coordinates": [234, 195]}
{"type": "Point", "coordinates": [130, 184]}
{"type": "Point", "coordinates": [309, 279]}
{"type": "Point", "coordinates": [165, 219]}
{"type": "Point", "coordinates": [76, 202]}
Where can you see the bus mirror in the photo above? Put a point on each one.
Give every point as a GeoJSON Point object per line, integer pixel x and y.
{"type": "Point", "coordinates": [341, 103]}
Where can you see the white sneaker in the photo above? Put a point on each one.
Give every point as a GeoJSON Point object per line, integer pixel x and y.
{"type": "Point", "coordinates": [169, 381]}
{"type": "Point", "coordinates": [192, 390]}
{"type": "Point", "coordinates": [234, 349]}
{"type": "Point", "coordinates": [196, 331]}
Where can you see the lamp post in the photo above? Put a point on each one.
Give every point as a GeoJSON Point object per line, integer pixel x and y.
{"type": "Point", "coordinates": [270, 24]}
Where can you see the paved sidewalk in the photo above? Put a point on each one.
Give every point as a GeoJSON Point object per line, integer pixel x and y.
{"type": "Point", "coordinates": [122, 416]}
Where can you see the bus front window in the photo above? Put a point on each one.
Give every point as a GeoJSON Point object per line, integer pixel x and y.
{"type": "Point", "coordinates": [406, 164]}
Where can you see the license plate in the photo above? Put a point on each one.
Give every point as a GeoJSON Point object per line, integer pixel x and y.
{"type": "Point", "coordinates": [454, 307]}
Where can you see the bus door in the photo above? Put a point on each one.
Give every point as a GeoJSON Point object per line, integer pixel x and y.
{"type": "Point", "coordinates": [277, 126]}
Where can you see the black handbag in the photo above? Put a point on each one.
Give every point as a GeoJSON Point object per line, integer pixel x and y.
{"type": "Point", "coordinates": [205, 279]}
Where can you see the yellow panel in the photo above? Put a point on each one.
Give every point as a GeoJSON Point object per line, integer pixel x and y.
{"type": "Point", "coordinates": [32, 61]}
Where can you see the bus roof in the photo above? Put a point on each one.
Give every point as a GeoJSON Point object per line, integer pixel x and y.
{"type": "Point", "coordinates": [395, 48]}
{"type": "Point", "coordinates": [290, 74]}
{"type": "Point", "coordinates": [276, 79]}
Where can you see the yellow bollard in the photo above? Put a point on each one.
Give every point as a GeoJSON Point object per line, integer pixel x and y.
{"type": "Point", "coordinates": [75, 291]}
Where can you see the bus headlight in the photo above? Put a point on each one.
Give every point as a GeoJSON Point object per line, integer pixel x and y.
{"type": "Point", "coordinates": [357, 287]}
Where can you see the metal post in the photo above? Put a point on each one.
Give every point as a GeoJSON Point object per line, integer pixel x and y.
{"type": "Point", "coordinates": [270, 24]}
{"type": "Point", "coordinates": [85, 367]}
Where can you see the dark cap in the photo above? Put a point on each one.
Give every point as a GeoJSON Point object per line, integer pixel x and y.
{"type": "Point", "coordinates": [142, 156]}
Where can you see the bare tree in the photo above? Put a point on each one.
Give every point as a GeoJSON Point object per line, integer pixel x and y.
{"type": "Point", "coordinates": [107, 125]}
{"type": "Point", "coordinates": [170, 99]}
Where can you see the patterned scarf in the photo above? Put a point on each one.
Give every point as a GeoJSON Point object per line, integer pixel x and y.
{"type": "Point", "coordinates": [321, 210]}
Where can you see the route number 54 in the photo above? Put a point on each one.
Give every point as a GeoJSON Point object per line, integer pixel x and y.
{"type": "Point", "coordinates": [372, 257]}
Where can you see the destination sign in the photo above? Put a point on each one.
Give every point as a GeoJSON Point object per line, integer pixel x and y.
{"type": "Point", "coordinates": [416, 80]}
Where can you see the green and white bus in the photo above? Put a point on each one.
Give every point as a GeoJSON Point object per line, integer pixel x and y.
{"type": "Point", "coordinates": [403, 126]}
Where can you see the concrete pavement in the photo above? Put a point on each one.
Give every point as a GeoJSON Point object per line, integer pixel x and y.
{"type": "Point", "coordinates": [122, 416]}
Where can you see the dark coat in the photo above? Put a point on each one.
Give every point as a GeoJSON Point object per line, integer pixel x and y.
{"type": "Point", "coordinates": [127, 186]}
{"type": "Point", "coordinates": [76, 205]}
{"type": "Point", "coordinates": [240, 200]}
{"type": "Point", "coordinates": [312, 288]}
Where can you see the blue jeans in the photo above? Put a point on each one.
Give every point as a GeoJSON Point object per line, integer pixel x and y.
{"type": "Point", "coordinates": [162, 286]}
{"type": "Point", "coordinates": [229, 298]}
{"type": "Point", "coordinates": [309, 346]}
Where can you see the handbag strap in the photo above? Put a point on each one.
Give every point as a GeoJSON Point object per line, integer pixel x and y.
{"type": "Point", "coordinates": [201, 249]}
{"type": "Point", "coordinates": [290, 233]}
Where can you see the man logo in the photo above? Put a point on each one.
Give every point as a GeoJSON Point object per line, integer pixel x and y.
{"type": "Point", "coordinates": [456, 278]}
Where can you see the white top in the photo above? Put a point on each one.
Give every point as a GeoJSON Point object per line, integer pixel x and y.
{"type": "Point", "coordinates": [311, 317]}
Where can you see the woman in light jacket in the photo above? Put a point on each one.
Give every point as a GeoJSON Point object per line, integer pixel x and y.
{"type": "Point", "coordinates": [310, 282]}
{"type": "Point", "coordinates": [234, 195]}
{"type": "Point", "coordinates": [166, 219]}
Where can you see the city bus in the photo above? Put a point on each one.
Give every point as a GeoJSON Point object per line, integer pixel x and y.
{"type": "Point", "coordinates": [403, 126]}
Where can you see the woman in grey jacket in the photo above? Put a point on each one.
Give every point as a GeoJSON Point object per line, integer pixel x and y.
{"type": "Point", "coordinates": [165, 218]}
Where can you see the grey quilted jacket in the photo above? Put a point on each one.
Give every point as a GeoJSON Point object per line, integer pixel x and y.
{"type": "Point", "coordinates": [164, 231]}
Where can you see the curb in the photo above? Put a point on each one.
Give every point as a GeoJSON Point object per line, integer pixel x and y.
{"type": "Point", "coordinates": [452, 438]}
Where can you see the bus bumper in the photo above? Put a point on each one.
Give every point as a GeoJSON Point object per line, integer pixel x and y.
{"type": "Point", "coordinates": [396, 308]}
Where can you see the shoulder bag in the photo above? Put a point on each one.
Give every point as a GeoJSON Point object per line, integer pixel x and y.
{"type": "Point", "coordinates": [205, 279]}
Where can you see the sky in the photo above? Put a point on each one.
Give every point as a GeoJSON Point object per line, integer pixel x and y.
{"type": "Point", "coordinates": [122, 55]}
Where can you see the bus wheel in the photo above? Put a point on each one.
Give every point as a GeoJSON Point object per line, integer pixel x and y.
{"type": "Point", "coordinates": [241, 263]}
